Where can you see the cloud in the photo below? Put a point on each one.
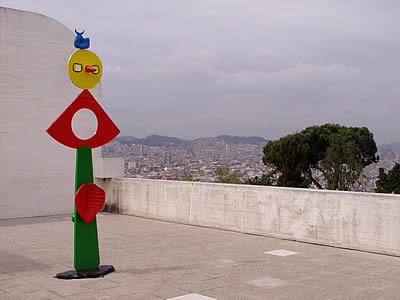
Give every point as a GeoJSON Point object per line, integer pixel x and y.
{"type": "Point", "coordinates": [114, 69]}
{"type": "Point", "coordinates": [196, 68]}
{"type": "Point", "coordinates": [189, 60]}
{"type": "Point", "coordinates": [299, 75]}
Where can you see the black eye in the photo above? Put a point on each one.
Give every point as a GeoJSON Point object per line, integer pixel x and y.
{"type": "Point", "coordinates": [97, 69]}
{"type": "Point", "coordinates": [77, 67]}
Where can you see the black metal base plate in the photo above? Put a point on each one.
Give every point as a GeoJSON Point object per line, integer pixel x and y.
{"type": "Point", "coordinates": [94, 273]}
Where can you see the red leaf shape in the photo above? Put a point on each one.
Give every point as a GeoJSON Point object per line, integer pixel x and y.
{"type": "Point", "coordinates": [61, 128]}
{"type": "Point", "coordinates": [89, 200]}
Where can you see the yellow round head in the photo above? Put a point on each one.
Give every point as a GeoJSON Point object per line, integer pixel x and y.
{"type": "Point", "coordinates": [84, 69]}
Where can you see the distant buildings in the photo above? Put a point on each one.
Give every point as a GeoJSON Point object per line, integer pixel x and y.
{"type": "Point", "coordinates": [200, 159]}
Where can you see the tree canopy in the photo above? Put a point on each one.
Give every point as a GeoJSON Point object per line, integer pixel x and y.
{"type": "Point", "coordinates": [226, 175]}
{"type": "Point", "coordinates": [390, 182]}
{"type": "Point", "coordinates": [339, 152]}
{"type": "Point", "coordinates": [265, 179]}
{"type": "Point", "coordinates": [189, 177]}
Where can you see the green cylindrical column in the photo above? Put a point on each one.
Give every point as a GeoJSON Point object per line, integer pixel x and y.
{"type": "Point", "coordinates": [86, 245]}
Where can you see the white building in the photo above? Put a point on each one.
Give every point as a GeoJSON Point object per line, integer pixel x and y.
{"type": "Point", "coordinates": [36, 172]}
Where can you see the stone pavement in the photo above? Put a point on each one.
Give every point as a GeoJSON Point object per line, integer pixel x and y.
{"type": "Point", "coordinates": [160, 260]}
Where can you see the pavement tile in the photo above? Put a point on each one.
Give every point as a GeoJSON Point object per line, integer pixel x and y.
{"type": "Point", "coordinates": [311, 281]}
{"type": "Point", "coordinates": [129, 280]}
{"type": "Point", "coordinates": [5, 296]}
{"type": "Point", "coordinates": [387, 293]}
{"type": "Point", "coordinates": [214, 292]}
{"type": "Point", "coordinates": [199, 286]}
{"type": "Point", "coordinates": [267, 282]}
{"type": "Point", "coordinates": [340, 291]}
{"type": "Point", "coordinates": [213, 283]}
{"type": "Point", "coordinates": [194, 287]}
{"type": "Point", "coordinates": [335, 278]}
{"type": "Point", "coordinates": [281, 252]}
{"type": "Point", "coordinates": [39, 295]}
{"type": "Point", "coordinates": [351, 271]}
{"type": "Point", "coordinates": [153, 276]}
{"type": "Point", "coordinates": [360, 294]}
{"type": "Point", "coordinates": [19, 289]}
{"type": "Point", "coordinates": [202, 275]}
{"type": "Point", "coordinates": [295, 292]}
{"type": "Point", "coordinates": [38, 278]}
{"type": "Point", "coordinates": [290, 274]}
{"type": "Point", "coordinates": [284, 292]}
{"type": "Point", "coordinates": [99, 283]}
{"type": "Point", "coordinates": [184, 271]}
{"type": "Point", "coordinates": [54, 268]}
{"type": "Point", "coordinates": [118, 274]}
{"type": "Point", "coordinates": [243, 289]}
{"type": "Point", "coordinates": [6, 276]}
{"type": "Point", "coordinates": [240, 278]}
{"type": "Point", "coordinates": [158, 260]}
{"type": "Point", "coordinates": [122, 290]}
{"type": "Point", "coordinates": [372, 281]}
{"type": "Point", "coordinates": [240, 297]}
{"type": "Point", "coordinates": [166, 291]}
{"type": "Point", "coordinates": [11, 282]}
{"type": "Point", "coordinates": [193, 296]}
{"type": "Point", "coordinates": [164, 278]}
{"type": "Point", "coordinates": [389, 274]}
{"type": "Point", "coordinates": [67, 288]}
{"type": "Point", "coordinates": [140, 297]}
{"type": "Point", "coordinates": [224, 263]}
{"type": "Point", "coordinates": [90, 296]}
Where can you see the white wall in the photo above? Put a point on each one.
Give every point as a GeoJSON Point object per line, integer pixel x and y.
{"type": "Point", "coordinates": [364, 221]}
{"type": "Point", "coordinates": [108, 167]}
{"type": "Point", "coordinates": [36, 172]}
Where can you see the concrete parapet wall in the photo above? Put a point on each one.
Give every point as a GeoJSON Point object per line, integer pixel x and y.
{"type": "Point", "coordinates": [363, 221]}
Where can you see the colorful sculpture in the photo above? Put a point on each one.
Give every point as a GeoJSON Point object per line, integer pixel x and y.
{"type": "Point", "coordinates": [81, 42]}
{"type": "Point", "coordinates": [85, 70]}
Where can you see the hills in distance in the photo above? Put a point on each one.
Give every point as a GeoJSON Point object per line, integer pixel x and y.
{"type": "Point", "coordinates": [160, 140]}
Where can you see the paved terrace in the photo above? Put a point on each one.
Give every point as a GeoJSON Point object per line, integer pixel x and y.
{"type": "Point", "coordinates": [160, 260]}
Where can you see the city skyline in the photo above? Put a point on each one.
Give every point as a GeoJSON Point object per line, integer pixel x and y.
{"type": "Point", "coordinates": [195, 69]}
{"type": "Point", "coordinates": [200, 160]}
{"type": "Point", "coordinates": [386, 147]}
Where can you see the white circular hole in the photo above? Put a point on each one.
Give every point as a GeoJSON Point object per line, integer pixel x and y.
{"type": "Point", "coordinates": [84, 124]}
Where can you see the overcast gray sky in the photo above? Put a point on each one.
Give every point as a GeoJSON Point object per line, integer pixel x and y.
{"type": "Point", "coordinates": [268, 68]}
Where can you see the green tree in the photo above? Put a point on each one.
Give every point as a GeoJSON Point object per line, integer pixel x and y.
{"type": "Point", "coordinates": [342, 163]}
{"type": "Point", "coordinates": [225, 175]}
{"type": "Point", "coordinates": [289, 156]}
{"type": "Point", "coordinates": [390, 182]}
{"type": "Point", "coordinates": [265, 179]}
{"type": "Point", "coordinates": [339, 152]}
{"type": "Point", "coordinates": [189, 177]}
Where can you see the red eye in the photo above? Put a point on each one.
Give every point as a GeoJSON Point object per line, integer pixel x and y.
{"type": "Point", "coordinates": [61, 129]}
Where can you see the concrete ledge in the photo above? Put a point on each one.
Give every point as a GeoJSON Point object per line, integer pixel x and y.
{"type": "Point", "coordinates": [363, 221]}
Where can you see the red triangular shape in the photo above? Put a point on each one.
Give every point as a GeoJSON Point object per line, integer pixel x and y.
{"type": "Point", "coordinates": [61, 129]}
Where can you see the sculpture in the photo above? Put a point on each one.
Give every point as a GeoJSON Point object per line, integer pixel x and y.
{"type": "Point", "coordinates": [85, 71]}
{"type": "Point", "coordinates": [81, 42]}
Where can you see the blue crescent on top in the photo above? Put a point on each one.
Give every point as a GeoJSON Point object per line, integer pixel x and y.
{"type": "Point", "coordinates": [81, 42]}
